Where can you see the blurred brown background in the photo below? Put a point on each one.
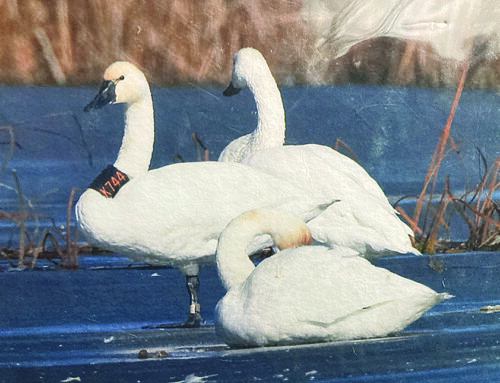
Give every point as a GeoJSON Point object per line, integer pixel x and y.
{"type": "Point", "coordinates": [61, 42]}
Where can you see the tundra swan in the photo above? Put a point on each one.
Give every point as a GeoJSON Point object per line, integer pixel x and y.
{"type": "Point", "coordinates": [307, 294]}
{"type": "Point", "coordinates": [363, 220]}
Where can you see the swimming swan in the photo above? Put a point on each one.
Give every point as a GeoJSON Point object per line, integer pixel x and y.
{"type": "Point", "coordinates": [251, 70]}
{"type": "Point", "coordinates": [363, 220]}
{"type": "Point", "coordinates": [172, 215]}
{"type": "Point", "coordinates": [307, 294]}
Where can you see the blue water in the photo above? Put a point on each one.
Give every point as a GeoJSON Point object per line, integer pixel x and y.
{"type": "Point", "coordinates": [393, 132]}
{"type": "Point", "coordinates": [87, 324]}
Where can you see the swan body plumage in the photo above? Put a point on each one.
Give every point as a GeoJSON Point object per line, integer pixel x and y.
{"type": "Point", "coordinates": [251, 70]}
{"type": "Point", "coordinates": [363, 219]}
{"type": "Point", "coordinates": [172, 215]}
{"type": "Point", "coordinates": [175, 214]}
{"type": "Point", "coordinates": [310, 293]}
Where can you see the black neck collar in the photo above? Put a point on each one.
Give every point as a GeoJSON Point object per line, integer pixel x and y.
{"type": "Point", "coordinates": [109, 181]}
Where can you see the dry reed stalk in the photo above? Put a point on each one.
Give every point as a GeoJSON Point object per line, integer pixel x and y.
{"type": "Point", "coordinates": [438, 219]}
{"type": "Point", "coordinates": [480, 228]}
{"type": "Point", "coordinates": [483, 209]}
{"type": "Point", "coordinates": [6, 256]}
{"type": "Point", "coordinates": [199, 144]}
{"type": "Point", "coordinates": [474, 241]}
{"type": "Point", "coordinates": [411, 222]}
{"type": "Point", "coordinates": [178, 158]}
{"type": "Point", "coordinates": [22, 222]}
{"type": "Point", "coordinates": [340, 143]}
{"type": "Point", "coordinates": [40, 248]}
{"type": "Point", "coordinates": [50, 56]}
{"type": "Point", "coordinates": [64, 34]}
{"type": "Point", "coordinates": [439, 152]}
{"type": "Point", "coordinates": [70, 260]}
{"type": "Point", "coordinates": [493, 185]}
{"type": "Point", "coordinates": [12, 146]}
{"type": "Point", "coordinates": [479, 191]}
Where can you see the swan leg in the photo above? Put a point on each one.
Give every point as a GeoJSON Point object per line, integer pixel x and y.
{"type": "Point", "coordinates": [194, 318]}
{"type": "Point", "coordinates": [193, 287]}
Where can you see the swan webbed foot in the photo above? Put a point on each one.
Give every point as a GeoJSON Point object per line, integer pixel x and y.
{"type": "Point", "coordinates": [194, 320]}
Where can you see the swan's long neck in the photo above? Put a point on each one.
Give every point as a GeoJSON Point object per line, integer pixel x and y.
{"type": "Point", "coordinates": [233, 264]}
{"type": "Point", "coordinates": [138, 138]}
{"type": "Point", "coordinates": [271, 127]}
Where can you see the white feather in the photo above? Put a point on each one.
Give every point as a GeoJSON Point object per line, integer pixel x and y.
{"type": "Point", "coordinates": [363, 219]}
{"type": "Point", "coordinates": [309, 293]}
{"type": "Point", "coordinates": [251, 70]}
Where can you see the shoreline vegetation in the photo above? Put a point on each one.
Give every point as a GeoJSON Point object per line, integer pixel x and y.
{"type": "Point", "coordinates": [59, 42]}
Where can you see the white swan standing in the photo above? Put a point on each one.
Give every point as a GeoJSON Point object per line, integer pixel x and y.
{"type": "Point", "coordinates": [270, 131]}
{"type": "Point", "coordinates": [363, 220]}
{"type": "Point", "coordinates": [172, 215]}
{"type": "Point", "coordinates": [307, 294]}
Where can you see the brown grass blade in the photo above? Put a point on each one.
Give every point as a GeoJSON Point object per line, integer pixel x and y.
{"type": "Point", "coordinates": [411, 222]}
{"type": "Point", "coordinates": [340, 143]}
{"type": "Point", "coordinates": [12, 146]}
{"type": "Point", "coordinates": [438, 155]}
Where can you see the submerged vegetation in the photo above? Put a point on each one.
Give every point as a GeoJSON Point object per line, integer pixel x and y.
{"type": "Point", "coordinates": [33, 244]}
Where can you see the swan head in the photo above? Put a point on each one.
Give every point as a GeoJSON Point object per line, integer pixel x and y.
{"type": "Point", "coordinates": [292, 232]}
{"type": "Point", "coordinates": [123, 82]}
{"type": "Point", "coordinates": [286, 229]}
{"type": "Point", "coordinates": [248, 66]}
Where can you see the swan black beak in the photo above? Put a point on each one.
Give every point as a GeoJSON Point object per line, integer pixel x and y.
{"type": "Point", "coordinates": [231, 90]}
{"type": "Point", "coordinates": [105, 96]}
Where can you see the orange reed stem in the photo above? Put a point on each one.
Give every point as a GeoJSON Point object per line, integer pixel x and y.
{"type": "Point", "coordinates": [438, 155]}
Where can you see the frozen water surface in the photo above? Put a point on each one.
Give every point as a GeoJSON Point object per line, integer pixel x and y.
{"type": "Point", "coordinates": [86, 325]}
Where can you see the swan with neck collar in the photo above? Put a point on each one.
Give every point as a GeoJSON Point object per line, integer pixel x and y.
{"type": "Point", "coordinates": [251, 70]}
{"type": "Point", "coordinates": [307, 294]}
{"type": "Point", "coordinates": [363, 219]}
{"type": "Point", "coordinates": [172, 215]}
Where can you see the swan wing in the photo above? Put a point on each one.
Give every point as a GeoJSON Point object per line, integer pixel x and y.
{"type": "Point", "coordinates": [237, 149]}
{"type": "Point", "coordinates": [312, 293]}
{"type": "Point", "coordinates": [324, 168]}
{"type": "Point", "coordinates": [363, 219]}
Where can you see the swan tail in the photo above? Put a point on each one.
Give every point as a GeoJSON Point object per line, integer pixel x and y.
{"type": "Point", "coordinates": [317, 210]}
{"type": "Point", "coordinates": [444, 296]}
